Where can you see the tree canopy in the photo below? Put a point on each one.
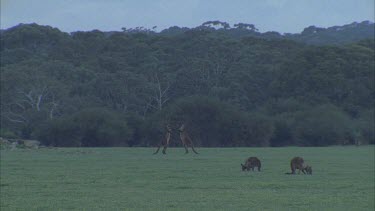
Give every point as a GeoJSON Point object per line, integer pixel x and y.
{"type": "Point", "coordinates": [120, 88]}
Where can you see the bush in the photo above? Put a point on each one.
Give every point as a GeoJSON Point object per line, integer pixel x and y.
{"type": "Point", "coordinates": [6, 133]}
{"type": "Point", "coordinates": [282, 135]}
{"type": "Point", "coordinates": [89, 128]}
{"type": "Point", "coordinates": [366, 127]}
{"type": "Point", "coordinates": [321, 126]}
{"type": "Point", "coordinates": [254, 130]}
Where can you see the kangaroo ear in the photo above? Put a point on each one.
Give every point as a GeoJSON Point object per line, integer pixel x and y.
{"type": "Point", "coordinates": [242, 165]}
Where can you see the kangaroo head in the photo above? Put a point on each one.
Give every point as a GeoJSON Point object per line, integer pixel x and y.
{"type": "Point", "coordinates": [243, 167]}
{"type": "Point", "coordinates": [169, 129]}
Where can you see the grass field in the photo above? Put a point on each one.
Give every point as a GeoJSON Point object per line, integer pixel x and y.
{"type": "Point", "coordinates": [134, 179]}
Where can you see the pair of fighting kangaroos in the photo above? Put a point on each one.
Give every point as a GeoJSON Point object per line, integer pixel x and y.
{"type": "Point", "coordinates": [295, 163]}
{"type": "Point", "coordinates": [185, 139]}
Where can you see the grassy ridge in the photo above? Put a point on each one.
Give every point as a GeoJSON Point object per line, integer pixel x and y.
{"type": "Point", "coordinates": [133, 178]}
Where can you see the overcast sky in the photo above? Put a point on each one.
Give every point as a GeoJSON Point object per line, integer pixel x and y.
{"type": "Point", "coordinates": [106, 15]}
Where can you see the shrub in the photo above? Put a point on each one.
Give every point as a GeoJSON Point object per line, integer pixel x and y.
{"type": "Point", "coordinates": [90, 128]}
{"type": "Point", "coordinates": [321, 126]}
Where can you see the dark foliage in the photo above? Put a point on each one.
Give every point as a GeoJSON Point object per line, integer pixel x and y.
{"type": "Point", "coordinates": [230, 86]}
{"type": "Point", "coordinates": [87, 128]}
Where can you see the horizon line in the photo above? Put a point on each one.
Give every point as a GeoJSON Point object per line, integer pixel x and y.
{"type": "Point", "coordinates": [231, 26]}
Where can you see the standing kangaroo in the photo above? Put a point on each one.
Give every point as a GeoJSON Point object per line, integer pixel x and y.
{"type": "Point", "coordinates": [299, 163]}
{"type": "Point", "coordinates": [165, 142]}
{"type": "Point", "coordinates": [186, 140]}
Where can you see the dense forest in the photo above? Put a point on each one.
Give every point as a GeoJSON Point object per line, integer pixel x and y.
{"type": "Point", "coordinates": [230, 86]}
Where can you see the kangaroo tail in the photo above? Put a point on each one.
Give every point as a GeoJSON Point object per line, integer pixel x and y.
{"type": "Point", "coordinates": [192, 147]}
{"type": "Point", "coordinates": [157, 150]}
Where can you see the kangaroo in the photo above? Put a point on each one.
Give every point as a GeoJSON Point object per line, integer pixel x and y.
{"type": "Point", "coordinates": [165, 142]}
{"type": "Point", "coordinates": [250, 163]}
{"type": "Point", "coordinates": [299, 163]}
{"type": "Point", "coordinates": [186, 140]}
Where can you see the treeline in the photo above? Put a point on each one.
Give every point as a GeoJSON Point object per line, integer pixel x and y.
{"type": "Point", "coordinates": [121, 89]}
{"type": "Point", "coordinates": [335, 35]}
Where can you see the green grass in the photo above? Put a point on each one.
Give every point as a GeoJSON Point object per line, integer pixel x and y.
{"type": "Point", "coordinates": [134, 179]}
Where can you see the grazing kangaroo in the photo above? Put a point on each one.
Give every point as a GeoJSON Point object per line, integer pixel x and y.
{"type": "Point", "coordinates": [299, 163]}
{"type": "Point", "coordinates": [165, 142]}
{"type": "Point", "coordinates": [186, 140]}
{"type": "Point", "coordinates": [250, 163]}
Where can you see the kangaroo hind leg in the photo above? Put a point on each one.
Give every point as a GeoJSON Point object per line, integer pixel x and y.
{"type": "Point", "coordinates": [165, 149]}
{"type": "Point", "coordinates": [186, 149]}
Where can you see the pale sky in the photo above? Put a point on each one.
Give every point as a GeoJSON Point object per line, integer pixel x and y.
{"type": "Point", "coordinates": [111, 15]}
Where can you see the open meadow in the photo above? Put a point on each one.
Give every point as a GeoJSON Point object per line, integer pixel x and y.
{"type": "Point", "coordinates": [135, 179]}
